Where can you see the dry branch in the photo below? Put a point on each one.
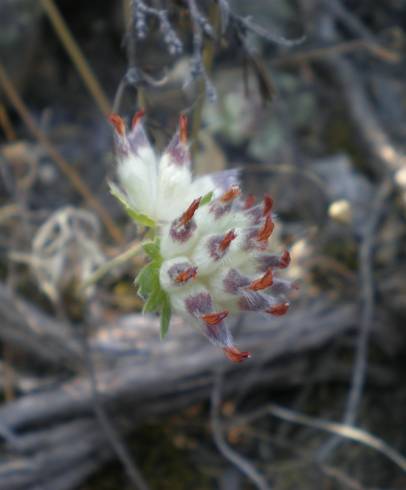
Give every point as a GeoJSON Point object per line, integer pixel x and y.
{"type": "Point", "coordinates": [138, 375]}
{"type": "Point", "coordinates": [71, 174]}
{"type": "Point", "coordinates": [159, 369]}
{"type": "Point", "coordinates": [30, 330]}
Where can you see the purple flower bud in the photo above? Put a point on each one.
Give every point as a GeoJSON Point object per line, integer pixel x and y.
{"type": "Point", "coordinates": [177, 152]}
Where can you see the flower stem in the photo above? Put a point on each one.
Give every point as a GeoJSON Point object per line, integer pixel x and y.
{"type": "Point", "coordinates": [134, 250]}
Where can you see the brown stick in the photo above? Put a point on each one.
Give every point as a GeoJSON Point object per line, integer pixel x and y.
{"type": "Point", "coordinates": [64, 166]}
{"type": "Point", "coordinates": [5, 123]}
{"type": "Point", "coordinates": [76, 55]}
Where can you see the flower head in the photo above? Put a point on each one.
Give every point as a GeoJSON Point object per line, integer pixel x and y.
{"type": "Point", "coordinates": [211, 257]}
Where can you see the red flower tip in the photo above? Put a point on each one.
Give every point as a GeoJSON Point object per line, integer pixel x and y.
{"type": "Point", "coordinates": [263, 282]}
{"type": "Point", "coordinates": [265, 232]}
{"type": "Point", "coordinates": [187, 274]}
{"type": "Point", "coordinates": [118, 123]}
{"type": "Point", "coordinates": [268, 203]}
{"type": "Point", "coordinates": [212, 319]}
{"type": "Point", "coordinates": [278, 310]}
{"type": "Point", "coordinates": [231, 194]}
{"type": "Point", "coordinates": [183, 128]}
{"type": "Point", "coordinates": [190, 211]}
{"type": "Point", "coordinates": [235, 355]}
{"type": "Point", "coordinates": [249, 201]}
{"type": "Point", "coordinates": [228, 238]}
{"type": "Point", "coordinates": [284, 261]}
{"type": "Point", "coordinates": [137, 118]}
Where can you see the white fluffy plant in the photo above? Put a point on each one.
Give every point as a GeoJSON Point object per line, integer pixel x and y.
{"type": "Point", "coordinates": [210, 256]}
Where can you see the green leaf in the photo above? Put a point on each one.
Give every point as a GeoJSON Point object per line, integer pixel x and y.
{"type": "Point", "coordinates": [153, 250]}
{"type": "Point", "coordinates": [206, 198]}
{"type": "Point", "coordinates": [154, 301]}
{"type": "Point", "coordinates": [147, 279]}
{"type": "Point", "coordinates": [149, 286]}
{"type": "Point", "coordinates": [140, 218]}
{"type": "Point", "coordinates": [165, 317]}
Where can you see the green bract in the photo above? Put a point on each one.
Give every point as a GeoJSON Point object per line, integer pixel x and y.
{"type": "Point", "coordinates": [141, 219]}
{"type": "Point", "coordinates": [206, 198]}
{"type": "Point", "coordinates": [149, 287]}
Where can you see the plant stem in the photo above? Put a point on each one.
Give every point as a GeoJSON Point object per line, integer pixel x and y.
{"type": "Point", "coordinates": [134, 250]}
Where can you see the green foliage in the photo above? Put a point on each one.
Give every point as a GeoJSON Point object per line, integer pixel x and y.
{"type": "Point", "coordinates": [141, 219]}
{"type": "Point", "coordinates": [165, 316]}
{"type": "Point", "coordinates": [152, 250]}
{"type": "Point", "coordinates": [206, 198]}
{"type": "Point", "coordinates": [149, 287]}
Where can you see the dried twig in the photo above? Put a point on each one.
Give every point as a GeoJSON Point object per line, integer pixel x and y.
{"type": "Point", "coordinates": [346, 431]}
{"type": "Point", "coordinates": [302, 457]}
{"type": "Point", "coordinates": [162, 377]}
{"type": "Point", "coordinates": [387, 163]}
{"type": "Point", "coordinates": [76, 55]}
{"type": "Point", "coordinates": [6, 125]}
{"type": "Point", "coordinates": [63, 165]}
{"type": "Point", "coordinates": [386, 159]}
{"type": "Point", "coordinates": [30, 330]}
{"type": "Point", "coordinates": [205, 86]}
{"type": "Point", "coordinates": [313, 54]}
{"type": "Point", "coordinates": [157, 366]}
{"type": "Point", "coordinates": [367, 314]}
{"type": "Point", "coordinates": [140, 13]}
{"type": "Point", "coordinates": [343, 430]}
{"type": "Point", "coordinates": [110, 432]}
{"type": "Point", "coordinates": [359, 29]}
{"type": "Point", "coordinates": [198, 67]}
{"type": "Point", "coordinates": [246, 24]}
{"type": "Point", "coordinates": [240, 462]}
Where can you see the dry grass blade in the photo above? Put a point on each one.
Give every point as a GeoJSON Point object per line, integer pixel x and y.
{"type": "Point", "coordinates": [112, 435]}
{"type": "Point", "coordinates": [6, 125]}
{"type": "Point", "coordinates": [241, 463]}
{"type": "Point", "coordinates": [352, 433]}
{"type": "Point", "coordinates": [76, 55]}
{"type": "Point", "coordinates": [63, 165]}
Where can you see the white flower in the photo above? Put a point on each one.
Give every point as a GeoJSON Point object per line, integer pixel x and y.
{"type": "Point", "coordinates": [212, 257]}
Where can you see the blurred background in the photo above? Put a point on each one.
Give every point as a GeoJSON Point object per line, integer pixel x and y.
{"type": "Point", "coordinates": [308, 99]}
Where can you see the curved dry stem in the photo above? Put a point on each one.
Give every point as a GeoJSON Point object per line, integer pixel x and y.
{"type": "Point", "coordinates": [343, 430]}
{"type": "Point", "coordinates": [241, 463]}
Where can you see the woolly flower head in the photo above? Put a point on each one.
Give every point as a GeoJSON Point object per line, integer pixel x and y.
{"type": "Point", "coordinates": [210, 256]}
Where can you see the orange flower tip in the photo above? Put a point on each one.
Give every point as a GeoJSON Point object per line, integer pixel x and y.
{"type": "Point", "coordinates": [183, 123]}
{"type": "Point", "coordinates": [265, 232]}
{"type": "Point", "coordinates": [284, 261]}
{"type": "Point", "coordinates": [263, 282]}
{"type": "Point", "coordinates": [184, 276]}
{"type": "Point", "coordinates": [278, 310]}
{"type": "Point", "coordinates": [190, 211]}
{"type": "Point", "coordinates": [228, 238]}
{"type": "Point", "coordinates": [249, 201]}
{"type": "Point", "coordinates": [235, 355]}
{"type": "Point", "coordinates": [268, 203]}
{"type": "Point", "coordinates": [137, 118]}
{"type": "Point", "coordinates": [212, 319]}
{"type": "Point", "coordinates": [231, 194]}
{"type": "Point", "coordinates": [118, 123]}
